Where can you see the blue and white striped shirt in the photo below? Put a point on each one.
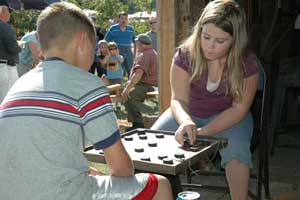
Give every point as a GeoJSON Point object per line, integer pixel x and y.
{"type": "Point", "coordinates": [124, 39]}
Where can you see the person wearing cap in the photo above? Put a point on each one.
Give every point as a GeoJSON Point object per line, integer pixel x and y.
{"type": "Point", "coordinates": [153, 32]}
{"type": "Point", "coordinates": [143, 78]}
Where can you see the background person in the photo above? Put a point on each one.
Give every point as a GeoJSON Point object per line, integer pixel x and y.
{"type": "Point", "coordinates": [95, 64]}
{"type": "Point", "coordinates": [9, 49]}
{"type": "Point", "coordinates": [143, 78]}
{"type": "Point", "coordinates": [114, 71]}
{"type": "Point", "coordinates": [50, 112]}
{"type": "Point", "coordinates": [29, 56]}
{"type": "Point", "coordinates": [213, 82]}
{"type": "Point", "coordinates": [123, 35]}
{"type": "Point", "coordinates": [153, 32]}
{"type": "Point", "coordinates": [103, 54]}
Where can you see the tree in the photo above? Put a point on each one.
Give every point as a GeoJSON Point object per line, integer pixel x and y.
{"type": "Point", "coordinates": [24, 20]}
{"type": "Point", "coordinates": [109, 9]}
{"type": "Point", "coordinates": [106, 9]}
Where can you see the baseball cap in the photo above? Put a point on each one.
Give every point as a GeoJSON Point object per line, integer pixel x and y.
{"type": "Point", "coordinates": [143, 38]}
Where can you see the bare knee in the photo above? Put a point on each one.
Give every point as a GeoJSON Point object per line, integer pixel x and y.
{"type": "Point", "coordinates": [164, 190]}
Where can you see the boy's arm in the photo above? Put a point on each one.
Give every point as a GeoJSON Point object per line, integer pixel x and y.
{"type": "Point", "coordinates": [118, 160]}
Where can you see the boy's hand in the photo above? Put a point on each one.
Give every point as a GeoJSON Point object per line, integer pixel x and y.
{"type": "Point", "coordinates": [94, 172]}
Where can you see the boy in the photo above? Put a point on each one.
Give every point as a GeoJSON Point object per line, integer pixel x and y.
{"type": "Point", "coordinates": [52, 110]}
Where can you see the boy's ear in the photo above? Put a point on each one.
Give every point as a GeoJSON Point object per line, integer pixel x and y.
{"type": "Point", "coordinates": [81, 37]}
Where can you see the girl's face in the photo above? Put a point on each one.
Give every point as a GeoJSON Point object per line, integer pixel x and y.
{"type": "Point", "coordinates": [103, 48]}
{"type": "Point", "coordinates": [215, 43]}
{"type": "Point", "coordinates": [113, 51]}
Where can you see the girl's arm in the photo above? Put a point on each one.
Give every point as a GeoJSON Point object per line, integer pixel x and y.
{"type": "Point", "coordinates": [120, 58]}
{"type": "Point", "coordinates": [180, 88]}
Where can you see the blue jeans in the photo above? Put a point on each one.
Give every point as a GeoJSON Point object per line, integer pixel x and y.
{"type": "Point", "coordinates": [128, 61]}
{"type": "Point", "coordinates": [238, 136]}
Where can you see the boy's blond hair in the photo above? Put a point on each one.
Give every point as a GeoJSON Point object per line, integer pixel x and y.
{"type": "Point", "coordinates": [58, 24]}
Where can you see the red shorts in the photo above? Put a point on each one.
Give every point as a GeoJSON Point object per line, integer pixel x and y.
{"type": "Point", "coordinates": [149, 190]}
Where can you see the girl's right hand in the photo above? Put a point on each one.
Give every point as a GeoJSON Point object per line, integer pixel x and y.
{"type": "Point", "coordinates": [187, 127]}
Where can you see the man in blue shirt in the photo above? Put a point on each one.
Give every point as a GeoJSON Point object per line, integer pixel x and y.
{"type": "Point", "coordinates": [124, 36]}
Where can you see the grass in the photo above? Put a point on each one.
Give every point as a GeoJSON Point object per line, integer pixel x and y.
{"type": "Point", "coordinates": [150, 108]}
{"type": "Point", "coordinates": [100, 167]}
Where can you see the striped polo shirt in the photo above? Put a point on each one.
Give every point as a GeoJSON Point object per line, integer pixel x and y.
{"type": "Point", "coordinates": [124, 39]}
{"type": "Point", "coordinates": [44, 120]}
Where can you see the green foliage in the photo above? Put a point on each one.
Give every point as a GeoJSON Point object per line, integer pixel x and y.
{"type": "Point", "coordinates": [142, 5]}
{"type": "Point", "coordinates": [140, 27]}
{"type": "Point", "coordinates": [108, 9]}
{"type": "Point", "coordinates": [24, 20]}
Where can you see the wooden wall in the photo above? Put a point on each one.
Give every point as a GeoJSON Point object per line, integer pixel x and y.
{"type": "Point", "coordinates": [270, 24]}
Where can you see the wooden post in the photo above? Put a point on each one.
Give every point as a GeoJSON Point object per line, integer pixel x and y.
{"type": "Point", "coordinates": [166, 49]}
{"type": "Point", "coordinates": [175, 20]}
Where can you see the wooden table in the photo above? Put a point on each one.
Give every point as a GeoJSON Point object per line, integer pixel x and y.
{"type": "Point", "coordinates": [155, 145]}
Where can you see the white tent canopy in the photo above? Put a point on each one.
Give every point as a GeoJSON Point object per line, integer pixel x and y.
{"type": "Point", "coordinates": [144, 15]}
{"type": "Point", "coordinates": [89, 12]}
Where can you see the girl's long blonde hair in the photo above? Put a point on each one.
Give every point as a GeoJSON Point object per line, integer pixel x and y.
{"type": "Point", "coordinates": [227, 15]}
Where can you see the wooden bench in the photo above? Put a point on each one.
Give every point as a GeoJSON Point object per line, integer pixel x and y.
{"type": "Point", "coordinates": [152, 95]}
{"type": "Point", "coordinates": [115, 93]}
{"type": "Point", "coordinates": [115, 88]}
